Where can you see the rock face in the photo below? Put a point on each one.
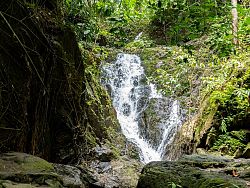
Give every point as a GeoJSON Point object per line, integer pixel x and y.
{"type": "Point", "coordinates": [153, 119]}
{"type": "Point", "coordinates": [49, 105]}
{"type": "Point", "coordinates": [19, 170]}
{"type": "Point", "coordinates": [157, 117]}
{"type": "Point", "coordinates": [196, 171]}
{"type": "Point", "coordinates": [39, 62]}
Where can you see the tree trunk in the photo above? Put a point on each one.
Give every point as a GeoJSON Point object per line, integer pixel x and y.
{"type": "Point", "coordinates": [234, 21]}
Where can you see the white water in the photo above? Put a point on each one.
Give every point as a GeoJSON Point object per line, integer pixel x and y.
{"type": "Point", "coordinates": [130, 97]}
{"type": "Point", "coordinates": [138, 36]}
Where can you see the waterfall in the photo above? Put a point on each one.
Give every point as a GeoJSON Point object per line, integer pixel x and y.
{"type": "Point", "coordinates": [130, 95]}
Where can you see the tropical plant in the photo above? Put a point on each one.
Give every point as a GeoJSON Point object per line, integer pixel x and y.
{"type": "Point", "coordinates": [81, 14]}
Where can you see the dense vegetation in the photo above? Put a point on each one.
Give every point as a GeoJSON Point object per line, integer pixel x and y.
{"type": "Point", "coordinates": [52, 103]}
{"type": "Point", "coordinates": [193, 40]}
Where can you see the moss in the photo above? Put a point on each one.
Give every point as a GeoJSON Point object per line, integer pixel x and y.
{"type": "Point", "coordinates": [26, 163]}
{"type": "Point", "coordinates": [103, 126]}
{"type": "Point", "coordinates": [205, 120]}
{"type": "Point", "coordinates": [8, 184]}
{"type": "Point", "coordinates": [186, 174]}
{"type": "Point", "coordinates": [37, 164]}
{"type": "Point", "coordinates": [127, 170]}
{"type": "Point", "coordinates": [20, 169]}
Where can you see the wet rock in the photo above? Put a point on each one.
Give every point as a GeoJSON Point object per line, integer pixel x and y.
{"type": "Point", "coordinates": [131, 150]}
{"type": "Point", "coordinates": [135, 81]}
{"type": "Point", "coordinates": [120, 73]}
{"type": "Point", "coordinates": [196, 171]}
{"type": "Point", "coordinates": [246, 152]}
{"type": "Point", "coordinates": [20, 170]}
{"type": "Point", "coordinates": [126, 109]}
{"type": "Point", "coordinates": [105, 166]}
{"type": "Point", "coordinates": [71, 176]}
{"type": "Point", "coordinates": [100, 167]}
{"type": "Point", "coordinates": [120, 173]}
{"type": "Point", "coordinates": [14, 162]}
{"type": "Point", "coordinates": [132, 94]}
{"type": "Point", "coordinates": [117, 83]}
{"type": "Point", "coordinates": [103, 153]}
{"type": "Point", "coordinates": [152, 120]}
{"type": "Point", "coordinates": [141, 104]}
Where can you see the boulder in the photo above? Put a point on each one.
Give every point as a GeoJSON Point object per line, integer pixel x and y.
{"type": "Point", "coordinates": [103, 153]}
{"type": "Point", "coordinates": [20, 170]}
{"type": "Point", "coordinates": [119, 173]}
{"type": "Point", "coordinates": [246, 152]}
{"type": "Point", "coordinates": [196, 171]}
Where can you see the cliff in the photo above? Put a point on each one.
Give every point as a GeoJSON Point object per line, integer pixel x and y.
{"type": "Point", "coordinates": [50, 104]}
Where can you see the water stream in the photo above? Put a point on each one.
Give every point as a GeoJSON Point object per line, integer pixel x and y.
{"type": "Point", "coordinates": [130, 93]}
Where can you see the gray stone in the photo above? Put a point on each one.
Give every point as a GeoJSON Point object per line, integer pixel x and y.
{"type": "Point", "coordinates": [119, 173]}
{"type": "Point", "coordinates": [103, 153]}
{"type": "Point", "coordinates": [71, 176]}
{"type": "Point", "coordinates": [196, 171]}
{"type": "Point", "coordinates": [246, 152]}
{"type": "Point", "coordinates": [20, 170]}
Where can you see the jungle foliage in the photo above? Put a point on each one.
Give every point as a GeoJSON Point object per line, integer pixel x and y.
{"type": "Point", "coordinates": [198, 58]}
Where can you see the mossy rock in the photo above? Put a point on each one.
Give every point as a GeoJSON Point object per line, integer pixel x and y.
{"type": "Point", "coordinates": [246, 152]}
{"type": "Point", "coordinates": [21, 170]}
{"type": "Point", "coordinates": [9, 184]}
{"type": "Point", "coordinates": [21, 162]}
{"type": "Point", "coordinates": [195, 171]}
{"type": "Point", "coordinates": [24, 170]}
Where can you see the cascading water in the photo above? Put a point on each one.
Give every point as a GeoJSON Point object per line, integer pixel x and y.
{"type": "Point", "coordinates": [130, 95]}
{"type": "Point", "coordinates": [170, 128]}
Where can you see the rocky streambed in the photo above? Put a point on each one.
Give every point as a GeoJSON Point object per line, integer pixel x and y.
{"type": "Point", "coordinates": [20, 170]}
